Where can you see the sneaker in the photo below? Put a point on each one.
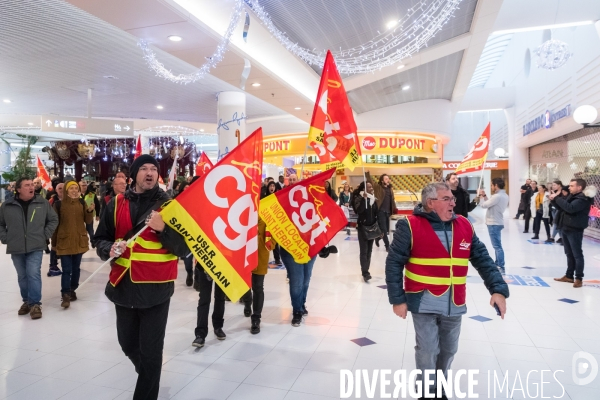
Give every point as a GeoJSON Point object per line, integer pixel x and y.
{"type": "Point", "coordinates": [279, 263]}
{"type": "Point", "coordinates": [559, 240]}
{"type": "Point", "coordinates": [348, 231]}
{"type": "Point", "coordinates": [189, 281]}
{"type": "Point", "coordinates": [198, 342]}
{"type": "Point", "coordinates": [564, 279]}
{"type": "Point", "coordinates": [66, 300]}
{"type": "Point", "coordinates": [247, 311]}
{"type": "Point", "coordinates": [54, 271]}
{"type": "Point", "coordinates": [367, 277]}
{"type": "Point", "coordinates": [578, 283]}
{"type": "Point", "coordinates": [220, 334]}
{"type": "Point", "coordinates": [255, 328]}
{"type": "Point", "coordinates": [24, 309]}
{"type": "Point", "coordinates": [36, 311]}
{"type": "Point", "coordinates": [550, 240]}
{"type": "Point", "coordinates": [297, 319]}
{"type": "Point", "coordinates": [73, 295]}
{"type": "Point", "coordinates": [525, 231]}
{"type": "Point", "coordinates": [304, 311]}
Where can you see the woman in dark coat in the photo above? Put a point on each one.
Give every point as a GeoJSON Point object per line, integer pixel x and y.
{"type": "Point", "coordinates": [365, 206]}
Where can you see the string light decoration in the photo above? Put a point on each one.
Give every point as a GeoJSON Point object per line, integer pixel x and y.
{"type": "Point", "coordinates": [410, 33]}
{"type": "Point", "coordinates": [552, 54]}
{"type": "Point", "coordinates": [211, 62]}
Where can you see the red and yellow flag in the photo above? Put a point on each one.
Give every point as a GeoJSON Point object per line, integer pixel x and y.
{"type": "Point", "coordinates": [218, 216]}
{"type": "Point", "coordinates": [303, 218]}
{"type": "Point", "coordinates": [42, 173]}
{"type": "Point", "coordinates": [333, 132]}
{"type": "Point", "coordinates": [204, 165]}
{"type": "Point", "coordinates": [475, 160]}
{"type": "Point", "coordinates": [138, 147]}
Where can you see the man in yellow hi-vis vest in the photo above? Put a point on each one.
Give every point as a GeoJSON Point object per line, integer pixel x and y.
{"type": "Point", "coordinates": [426, 274]}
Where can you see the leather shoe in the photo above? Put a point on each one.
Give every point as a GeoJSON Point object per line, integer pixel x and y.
{"type": "Point", "coordinates": [578, 283]}
{"type": "Point", "coordinates": [220, 334]}
{"type": "Point", "coordinates": [564, 279]}
{"type": "Point", "coordinates": [198, 342]}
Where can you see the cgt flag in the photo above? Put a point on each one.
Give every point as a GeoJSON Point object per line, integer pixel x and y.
{"type": "Point", "coordinates": [204, 165]}
{"type": "Point", "coordinates": [332, 132]}
{"type": "Point", "coordinates": [303, 218]}
{"type": "Point", "coordinates": [138, 147]}
{"type": "Point", "coordinates": [218, 217]}
{"type": "Point", "coordinates": [42, 173]}
{"type": "Point", "coordinates": [475, 160]}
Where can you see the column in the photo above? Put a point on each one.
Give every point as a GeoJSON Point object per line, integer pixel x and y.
{"type": "Point", "coordinates": [4, 163]}
{"type": "Point", "coordinates": [518, 163]}
{"type": "Point", "coordinates": [271, 170]}
{"type": "Point", "coordinates": [231, 120]}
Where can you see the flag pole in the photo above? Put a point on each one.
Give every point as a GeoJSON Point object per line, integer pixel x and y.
{"type": "Point", "coordinates": [304, 158]}
{"type": "Point", "coordinates": [131, 239]}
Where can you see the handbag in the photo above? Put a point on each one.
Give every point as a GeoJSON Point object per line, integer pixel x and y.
{"type": "Point", "coordinates": [372, 231]}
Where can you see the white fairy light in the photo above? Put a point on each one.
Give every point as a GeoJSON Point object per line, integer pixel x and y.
{"type": "Point", "coordinates": [211, 62]}
{"type": "Point", "coordinates": [552, 54]}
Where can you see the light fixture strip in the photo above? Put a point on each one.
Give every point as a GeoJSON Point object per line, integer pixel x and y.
{"type": "Point", "coordinates": [542, 27]}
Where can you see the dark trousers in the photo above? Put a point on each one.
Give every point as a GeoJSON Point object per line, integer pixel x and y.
{"type": "Point", "coordinates": [90, 230]}
{"type": "Point", "coordinates": [189, 264]}
{"type": "Point", "coordinates": [255, 297]}
{"type": "Point", "coordinates": [71, 266]}
{"type": "Point", "coordinates": [276, 254]}
{"type": "Point", "coordinates": [366, 248]}
{"type": "Point", "coordinates": [519, 213]}
{"type": "Point", "coordinates": [53, 259]}
{"type": "Point", "coordinates": [204, 306]}
{"type": "Point", "coordinates": [572, 241]}
{"type": "Point", "coordinates": [383, 219]}
{"type": "Point", "coordinates": [141, 333]}
{"type": "Point", "coordinates": [527, 217]}
{"type": "Point", "coordinates": [537, 224]}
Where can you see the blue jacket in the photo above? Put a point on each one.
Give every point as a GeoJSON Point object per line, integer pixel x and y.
{"type": "Point", "coordinates": [425, 302]}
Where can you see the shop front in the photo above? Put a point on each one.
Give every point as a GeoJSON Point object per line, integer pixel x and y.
{"type": "Point", "coordinates": [575, 155]}
{"type": "Point", "coordinates": [411, 160]}
{"type": "Point", "coordinates": [470, 182]}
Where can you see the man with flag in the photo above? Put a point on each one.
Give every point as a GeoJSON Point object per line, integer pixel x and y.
{"type": "Point", "coordinates": [142, 274]}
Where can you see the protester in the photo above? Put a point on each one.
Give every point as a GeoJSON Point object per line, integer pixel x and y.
{"type": "Point", "coordinates": [292, 179]}
{"type": "Point", "coordinates": [575, 216]}
{"type": "Point", "coordinates": [141, 278]}
{"type": "Point", "coordinates": [434, 290]}
{"type": "Point", "coordinates": [494, 217]}
{"type": "Point", "coordinates": [205, 284]}
{"type": "Point", "coordinates": [463, 205]}
{"type": "Point", "coordinates": [26, 223]}
{"type": "Point", "coordinates": [39, 189]}
{"type": "Point", "coordinates": [93, 207]}
{"type": "Point", "coordinates": [281, 182]}
{"type": "Point", "coordinates": [556, 189]}
{"type": "Point", "coordinates": [254, 299]}
{"type": "Point", "coordinates": [530, 192]}
{"type": "Point", "coordinates": [365, 206]}
{"type": "Point", "coordinates": [9, 193]}
{"type": "Point", "coordinates": [188, 260]}
{"type": "Point", "coordinates": [524, 203]}
{"type": "Point", "coordinates": [53, 269]}
{"type": "Point", "coordinates": [386, 205]}
{"type": "Point", "coordinates": [540, 209]}
{"type": "Point", "coordinates": [344, 201]}
{"type": "Point", "coordinates": [330, 192]}
{"type": "Point", "coordinates": [71, 239]}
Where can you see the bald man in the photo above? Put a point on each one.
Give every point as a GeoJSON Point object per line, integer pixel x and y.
{"type": "Point", "coordinates": [292, 179]}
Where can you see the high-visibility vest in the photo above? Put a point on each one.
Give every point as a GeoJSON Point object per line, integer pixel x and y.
{"type": "Point", "coordinates": [145, 258]}
{"type": "Point", "coordinates": [430, 266]}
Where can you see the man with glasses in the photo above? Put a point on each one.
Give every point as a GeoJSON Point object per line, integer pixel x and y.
{"type": "Point", "coordinates": [494, 217]}
{"type": "Point", "coordinates": [432, 249]}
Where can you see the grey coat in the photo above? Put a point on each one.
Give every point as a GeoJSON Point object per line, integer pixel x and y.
{"type": "Point", "coordinates": [23, 236]}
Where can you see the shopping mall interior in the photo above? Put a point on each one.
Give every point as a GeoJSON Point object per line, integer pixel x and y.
{"type": "Point", "coordinates": [87, 86]}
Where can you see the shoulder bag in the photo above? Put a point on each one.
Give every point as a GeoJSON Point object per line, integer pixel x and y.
{"type": "Point", "coordinates": [372, 231]}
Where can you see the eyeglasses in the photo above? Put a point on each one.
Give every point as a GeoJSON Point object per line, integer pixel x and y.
{"type": "Point", "coordinates": [446, 199]}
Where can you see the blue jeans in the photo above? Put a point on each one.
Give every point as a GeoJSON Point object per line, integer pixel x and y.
{"type": "Point", "coordinates": [299, 279]}
{"type": "Point", "coordinates": [28, 266]}
{"type": "Point", "coordinates": [71, 266]}
{"type": "Point", "coordinates": [555, 229]}
{"type": "Point", "coordinates": [496, 238]}
{"type": "Point", "coordinates": [436, 342]}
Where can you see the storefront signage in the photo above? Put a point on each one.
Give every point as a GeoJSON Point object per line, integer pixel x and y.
{"type": "Point", "coordinates": [546, 120]}
{"type": "Point", "coordinates": [52, 123]}
{"type": "Point", "coordinates": [500, 164]}
{"type": "Point", "coordinates": [555, 152]}
{"type": "Point", "coordinates": [277, 145]}
{"type": "Point", "coordinates": [399, 142]}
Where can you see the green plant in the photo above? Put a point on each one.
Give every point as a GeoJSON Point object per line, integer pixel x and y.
{"type": "Point", "coordinates": [22, 166]}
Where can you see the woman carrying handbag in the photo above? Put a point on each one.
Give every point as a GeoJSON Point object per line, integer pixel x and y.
{"type": "Point", "coordinates": [540, 208]}
{"type": "Point", "coordinates": [365, 206]}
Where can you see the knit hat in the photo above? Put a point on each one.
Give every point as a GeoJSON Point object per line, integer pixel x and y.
{"type": "Point", "coordinates": [69, 184]}
{"type": "Point", "coordinates": [138, 162]}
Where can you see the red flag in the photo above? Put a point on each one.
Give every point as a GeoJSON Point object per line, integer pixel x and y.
{"type": "Point", "coordinates": [204, 165]}
{"type": "Point", "coordinates": [42, 173]}
{"type": "Point", "coordinates": [333, 132]}
{"type": "Point", "coordinates": [218, 217]}
{"type": "Point", "coordinates": [475, 160]}
{"type": "Point", "coordinates": [303, 218]}
{"type": "Point", "coordinates": [138, 147]}
{"type": "Point", "coordinates": [160, 180]}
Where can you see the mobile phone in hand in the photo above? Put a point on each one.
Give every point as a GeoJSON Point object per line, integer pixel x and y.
{"type": "Point", "coordinates": [497, 309]}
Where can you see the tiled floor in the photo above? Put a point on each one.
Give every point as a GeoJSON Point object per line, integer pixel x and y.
{"type": "Point", "coordinates": [74, 354]}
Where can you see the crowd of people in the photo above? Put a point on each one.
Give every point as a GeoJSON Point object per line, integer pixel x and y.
{"type": "Point", "coordinates": [143, 271]}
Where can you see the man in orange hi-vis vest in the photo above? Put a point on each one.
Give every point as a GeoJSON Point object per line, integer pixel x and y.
{"type": "Point", "coordinates": [141, 277]}
{"type": "Point", "coordinates": [426, 274]}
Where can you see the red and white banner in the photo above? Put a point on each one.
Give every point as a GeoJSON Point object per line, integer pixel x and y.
{"type": "Point", "coordinates": [42, 173]}
{"type": "Point", "coordinates": [475, 160]}
{"type": "Point", "coordinates": [303, 218]}
{"type": "Point", "coordinates": [204, 165]}
{"type": "Point", "coordinates": [138, 147]}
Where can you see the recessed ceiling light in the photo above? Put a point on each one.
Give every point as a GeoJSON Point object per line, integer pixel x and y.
{"type": "Point", "coordinates": [175, 38]}
{"type": "Point", "coordinates": [7, 101]}
{"type": "Point", "coordinates": [256, 84]}
{"type": "Point", "coordinates": [30, 123]}
{"type": "Point", "coordinates": [401, 66]}
{"type": "Point", "coordinates": [160, 107]}
{"type": "Point", "coordinates": [297, 108]}
{"type": "Point", "coordinates": [201, 130]}
{"type": "Point", "coordinates": [405, 87]}
{"type": "Point", "coordinates": [391, 24]}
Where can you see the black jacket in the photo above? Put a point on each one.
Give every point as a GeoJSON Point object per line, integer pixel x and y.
{"type": "Point", "coordinates": [575, 211]}
{"type": "Point", "coordinates": [367, 212]}
{"type": "Point", "coordinates": [400, 253]}
{"type": "Point", "coordinates": [127, 293]}
{"type": "Point", "coordinates": [463, 205]}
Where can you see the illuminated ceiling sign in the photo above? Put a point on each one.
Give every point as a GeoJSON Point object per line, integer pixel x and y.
{"type": "Point", "coordinates": [546, 120]}
{"type": "Point", "coordinates": [53, 123]}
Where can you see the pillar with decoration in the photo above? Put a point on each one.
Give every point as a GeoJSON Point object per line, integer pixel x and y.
{"type": "Point", "coordinates": [231, 120]}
